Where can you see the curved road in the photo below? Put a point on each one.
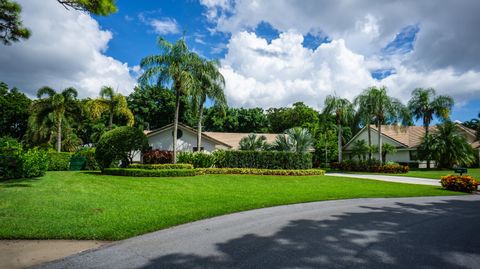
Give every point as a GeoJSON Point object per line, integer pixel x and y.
{"type": "Point", "coordinates": [427, 232]}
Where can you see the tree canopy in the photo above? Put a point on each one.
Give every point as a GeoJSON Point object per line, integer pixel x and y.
{"type": "Point", "coordinates": [11, 25]}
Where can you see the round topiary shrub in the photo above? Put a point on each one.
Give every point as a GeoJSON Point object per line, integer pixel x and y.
{"type": "Point", "coordinates": [120, 144]}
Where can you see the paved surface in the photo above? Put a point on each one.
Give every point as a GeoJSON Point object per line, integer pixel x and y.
{"type": "Point", "coordinates": [399, 179]}
{"type": "Point", "coordinates": [23, 253]}
{"type": "Point", "coordinates": [427, 232]}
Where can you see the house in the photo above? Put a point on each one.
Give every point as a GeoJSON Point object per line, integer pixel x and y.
{"type": "Point", "coordinates": [405, 139]}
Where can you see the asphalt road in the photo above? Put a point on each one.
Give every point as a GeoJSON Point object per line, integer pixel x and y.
{"type": "Point", "coordinates": [428, 232]}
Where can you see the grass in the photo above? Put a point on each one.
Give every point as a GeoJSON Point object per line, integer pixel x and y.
{"type": "Point", "coordinates": [87, 205]}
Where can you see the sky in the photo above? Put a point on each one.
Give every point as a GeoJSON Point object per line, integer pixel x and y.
{"type": "Point", "coordinates": [272, 53]}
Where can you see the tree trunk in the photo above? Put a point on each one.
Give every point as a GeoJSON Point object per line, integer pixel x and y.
{"type": "Point", "coordinates": [59, 135]}
{"type": "Point", "coordinates": [199, 128]}
{"type": "Point", "coordinates": [380, 142]}
{"type": "Point", "coordinates": [175, 125]}
{"type": "Point", "coordinates": [369, 142]}
{"type": "Point", "coordinates": [339, 142]}
{"type": "Point", "coordinates": [426, 135]}
{"type": "Point", "coordinates": [110, 121]}
{"type": "Point", "coordinates": [326, 156]}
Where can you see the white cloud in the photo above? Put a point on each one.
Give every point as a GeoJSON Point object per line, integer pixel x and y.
{"type": "Point", "coordinates": [66, 49]}
{"type": "Point", "coordinates": [165, 26]}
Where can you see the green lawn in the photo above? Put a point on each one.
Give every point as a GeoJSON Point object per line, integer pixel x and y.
{"type": "Point", "coordinates": [82, 205]}
{"type": "Point", "coordinates": [433, 173]}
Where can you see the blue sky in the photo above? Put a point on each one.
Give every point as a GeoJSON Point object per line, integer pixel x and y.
{"type": "Point", "coordinates": [273, 53]}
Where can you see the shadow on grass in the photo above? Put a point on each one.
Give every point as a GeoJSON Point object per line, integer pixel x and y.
{"type": "Point", "coordinates": [436, 235]}
{"type": "Point", "coordinates": [18, 182]}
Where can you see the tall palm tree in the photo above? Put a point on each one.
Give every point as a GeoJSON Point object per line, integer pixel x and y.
{"type": "Point", "coordinates": [174, 67]}
{"type": "Point", "coordinates": [113, 103]}
{"type": "Point", "coordinates": [386, 109]}
{"type": "Point", "coordinates": [343, 111]}
{"type": "Point", "coordinates": [210, 84]}
{"type": "Point", "coordinates": [56, 107]}
{"type": "Point", "coordinates": [424, 104]}
{"type": "Point", "coordinates": [364, 102]}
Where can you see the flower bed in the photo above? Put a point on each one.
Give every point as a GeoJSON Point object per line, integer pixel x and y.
{"type": "Point", "coordinates": [459, 183]}
{"type": "Point", "coordinates": [370, 166]}
{"type": "Point", "coordinates": [162, 166]}
{"type": "Point", "coordinates": [255, 171]}
{"type": "Point", "coordinates": [132, 172]}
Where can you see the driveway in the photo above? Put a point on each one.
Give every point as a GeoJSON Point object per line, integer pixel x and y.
{"type": "Point", "coordinates": [426, 232]}
{"type": "Point", "coordinates": [398, 179]}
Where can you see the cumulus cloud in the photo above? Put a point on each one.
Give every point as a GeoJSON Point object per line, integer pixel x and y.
{"type": "Point", "coordinates": [165, 26]}
{"type": "Point", "coordinates": [66, 49]}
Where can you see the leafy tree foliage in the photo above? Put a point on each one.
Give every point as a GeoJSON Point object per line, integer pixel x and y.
{"type": "Point", "coordinates": [253, 142]}
{"type": "Point", "coordinates": [295, 139]}
{"type": "Point", "coordinates": [237, 120]}
{"type": "Point", "coordinates": [97, 7]}
{"type": "Point", "coordinates": [473, 124]}
{"type": "Point", "coordinates": [115, 104]}
{"type": "Point", "coordinates": [11, 26]}
{"type": "Point", "coordinates": [299, 115]}
{"type": "Point", "coordinates": [13, 112]}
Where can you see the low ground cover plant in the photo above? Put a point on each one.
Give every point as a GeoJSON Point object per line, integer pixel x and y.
{"type": "Point", "coordinates": [133, 172]}
{"type": "Point", "coordinates": [462, 183]}
{"type": "Point", "coordinates": [256, 171]}
{"type": "Point", "coordinates": [370, 166]}
{"type": "Point", "coordinates": [161, 166]}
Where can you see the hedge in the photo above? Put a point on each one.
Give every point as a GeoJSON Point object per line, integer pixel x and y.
{"type": "Point", "coordinates": [89, 154]}
{"type": "Point", "coordinates": [262, 159]}
{"type": "Point", "coordinates": [59, 161]}
{"type": "Point", "coordinates": [370, 166]}
{"type": "Point", "coordinates": [132, 172]}
{"type": "Point", "coordinates": [459, 183]}
{"type": "Point", "coordinates": [255, 171]}
{"type": "Point", "coordinates": [197, 159]}
{"type": "Point", "coordinates": [162, 166]}
{"type": "Point", "coordinates": [17, 162]}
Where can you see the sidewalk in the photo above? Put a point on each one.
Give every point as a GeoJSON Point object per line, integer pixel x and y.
{"type": "Point", "coordinates": [398, 179]}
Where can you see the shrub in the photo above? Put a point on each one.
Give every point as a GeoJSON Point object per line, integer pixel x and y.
{"type": "Point", "coordinates": [149, 172]}
{"type": "Point", "coordinates": [197, 159]}
{"type": "Point", "coordinates": [459, 183]}
{"type": "Point", "coordinates": [370, 166]}
{"type": "Point", "coordinates": [59, 161]}
{"type": "Point", "coordinates": [15, 162]}
{"type": "Point", "coordinates": [161, 166]}
{"type": "Point", "coordinates": [34, 163]}
{"type": "Point", "coordinates": [157, 156]}
{"type": "Point", "coordinates": [120, 144]}
{"type": "Point", "coordinates": [263, 159]}
{"type": "Point", "coordinates": [90, 162]}
{"type": "Point", "coordinates": [255, 171]}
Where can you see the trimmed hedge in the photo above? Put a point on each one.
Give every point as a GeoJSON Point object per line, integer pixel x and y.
{"type": "Point", "coordinates": [197, 159]}
{"type": "Point", "coordinates": [459, 183]}
{"type": "Point", "coordinates": [89, 154]}
{"type": "Point", "coordinates": [370, 166]}
{"type": "Point", "coordinates": [17, 162]}
{"type": "Point", "coordinates": [161, 166]}
{"type": "Point", "coordinates": [262, 159]}
{"type": "Point", "coordinates": [132, 172]}
{"type": "Point", "coordinates": [254, 171]}
{"type": "Point", "coordinates": [59, 161]}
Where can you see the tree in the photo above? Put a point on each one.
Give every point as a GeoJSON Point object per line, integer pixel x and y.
{"type": "Point", "coordinates": [253, 142]}
{"type": "Point", "coordinates": [299, 115]}
{"type": "Point", "coordinates": [360, 149]}
{"type": "Point", "coordinates": [295, 139]}
{"type": "Point", "coordinates": [97, 7]}
{"type": "Point", "coordinates": [386, 109]}
{"type": "Point", "coordinates": [11, 26]}
{"type": "Point", "coordinates": [343, 111]}
{"type": "Point", "coordinates": [210, 84]}
{"type": "Point", "coordinates": [113, 103]}
{"type": "Point", "coordinates": [449, 147]}
{"type": "Point", "coordinates": [387, 149]}
{"type": "Point", "coordinates": [364, 104]}
{"type": "Point", "coordinates": [173, 66]}
{"type": "Point", "coordinates": [13, 112]}
{"type": "Point", "coordinates": [55, 108]}
{"type": "Point", "coordinates": [424, 104]}
{"type": "Point", "coordinates": [473, 124]}
{"type": "Point", "coordinates": [238, 120]}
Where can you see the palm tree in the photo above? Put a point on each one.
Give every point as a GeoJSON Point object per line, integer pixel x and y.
{"type": "Point", "coordinates": [210, 84]}
{"type": "Point", "coordinates": [56, 107]}
{"type": "Point", "coordinates": [387, 149]}
{"type": "Point", "coordinates": [295, 139]}
{"type": "Point", "coordinates": [252, 142]}
{"type": "Point", "coordinates": [385, 109]}
{"type": "Point", "coordinates": [364, 102]}
{"type": "Point", "coordinates": [449, 147]}
{"type": "Point", "coordinates": [113, 103]}
{"type": "Point", "coordinates": [360, 149]}
{"type": "Point", "coordinates": [173, 66]}
{"type": "Point", "coordinates": [425, 104]}
{"type": "Point", "coordinates": [343, 111]}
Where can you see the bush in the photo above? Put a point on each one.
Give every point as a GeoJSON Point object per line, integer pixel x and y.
{"type": "Point", "coordinates": [149, 172]}
{"type": "Point", "coordinates": [255, 171]}
{"type": "Point", "coordinates": [15, 162]}
{"type": "Point", "coordinates": [161, 166]}
{"type": "Point", "coordinates": [90, 163]}
{"type": "Point", "coordinates": [263, 159]}
{"type": "Point", "coordinates": [120, 144]}
{"type": "Point", "coordinates": [157, 156]}
{"type": "Point", "coordinates": [459, 183]}
{"type": "Point", "coordinates": [59, 161]}
{"type": "Point", "coordinates": [370, 166]}
{"type": "Point", "coordinates": [197, 159]}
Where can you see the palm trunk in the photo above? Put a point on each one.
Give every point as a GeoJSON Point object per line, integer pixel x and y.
{"type": "Point", "coordinates": [175, 126]}
{"type": "Point", "coordinates": [380, 142]}
{"type": "Point", "coordinates": [426, 135]}
{"type": "Point", "coordinates": [339, 142]}
{"type": "Point", "coordinates": [110, 121]}
{"type": "Point", "coordinates": [199, 128]}
{"type": "Point", "coordinates": [326, 153]}
{"type": "Point", "coordinates": [369, 142]}
{"type": "Point", "coordinates": [59, 135]}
